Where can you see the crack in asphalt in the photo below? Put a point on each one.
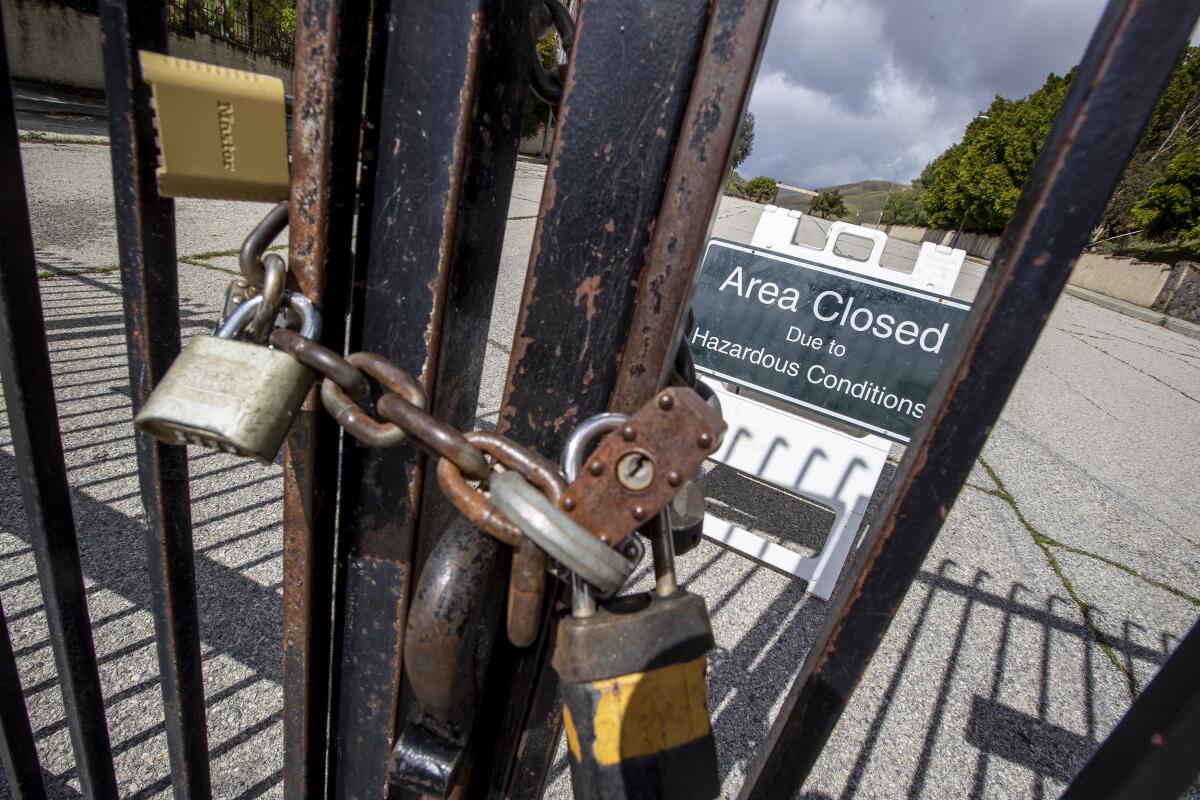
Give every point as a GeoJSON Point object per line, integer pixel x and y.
{"type": "Point", "coordinates": [1082, 340]}
{"type": "Point", "coordinates": [1045, 543]}
{"type": "Point", "coordinates": [1103, 337]}
{"type": "Point", "coordinates": [1042, 541]}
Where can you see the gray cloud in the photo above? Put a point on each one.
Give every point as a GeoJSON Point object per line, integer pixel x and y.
{"type": "Point", "coordinates": [847, 88]}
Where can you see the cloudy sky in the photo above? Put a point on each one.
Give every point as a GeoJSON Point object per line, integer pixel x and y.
{"type": "Point", "coordinates": [848, 86]}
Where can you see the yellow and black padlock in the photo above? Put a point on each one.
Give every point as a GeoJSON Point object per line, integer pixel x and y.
{"type": "Point", "coordinates": [632, 676]}
{"type": "Point", "coordinates": [634, 706]}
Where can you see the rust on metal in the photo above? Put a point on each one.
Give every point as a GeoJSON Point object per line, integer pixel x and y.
{"type": "Point", "coordinates": [631, 60]}
{"type": "Point", "coordinates": [439, 663]}
{"type": "Point", "coordinates": [526, 587]}
{"type": "Point", "coordinates": [526, 583]}
{"type": "Point", "coordinates": [474, 504]}
{"type": "Point", "coordinates": [716, 104]}
{"type": "Point", "coordinates": [356, 419]}
{"type": "Point", "coordinates": [325, 361]}
{"type": "Point", "coordinates": [628, 478]}
{"type": "Point", "coordinates": [330, 61]}
{"type": "Point", "coordinates": [250, 257]}
{"type": "Point", "coordinates": [437, 437]}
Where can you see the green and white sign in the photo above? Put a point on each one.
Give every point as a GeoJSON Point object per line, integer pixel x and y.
{"type": "Point", "coordinates": [858, 349]}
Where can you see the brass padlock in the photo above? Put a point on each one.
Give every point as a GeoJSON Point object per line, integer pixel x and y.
{"type": "Point", "coordinates": [229, 394]}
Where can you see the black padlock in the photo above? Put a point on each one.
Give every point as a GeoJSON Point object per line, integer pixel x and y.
{"type": "Point", "coordinates": [634, 704]}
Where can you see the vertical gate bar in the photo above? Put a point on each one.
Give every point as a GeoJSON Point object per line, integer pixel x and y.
{"type": "Point", "coordinates": [479, 237]}
{"type": "Point", "coordinates": [720, 93]}
{"type": "Point", "coordinates": [42, 470]}
{"type": "Point", "coordinates": [483, 204]}
{"type": "Point", "coordinates": [326, 120]}
{"type": "Point", "coordinates": [1127, 63]}
{"type": "Point", "coordinates": [150, 292]}
{"type": "Point", "coordinates": [17, 750]}
{"type": "Point", "coordinates": [369, 146]}
{"type": "Point", "coordinates": [625, 93]}
{"type": "Point", "coordinates": [1154, 751]}
{"type": "Point", "coordinates": [426, 72]}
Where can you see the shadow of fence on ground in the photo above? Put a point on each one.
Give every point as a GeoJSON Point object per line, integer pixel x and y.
{"type": "Point", "coordinates": [237, 523]}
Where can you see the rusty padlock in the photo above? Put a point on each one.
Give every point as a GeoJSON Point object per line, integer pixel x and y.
{"type": "Point", "coordinates": [635, 470]}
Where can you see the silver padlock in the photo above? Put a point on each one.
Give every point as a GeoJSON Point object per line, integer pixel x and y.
{"type": "Point", "coordinates": [687, 507]}
{"type": "Point", "coordinates": [687, 513]}
{"type": "Point", "coordinates": [229, 394]}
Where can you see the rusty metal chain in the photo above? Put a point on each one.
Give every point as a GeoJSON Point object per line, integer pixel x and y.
{"type": "Point", "coordinates": [263, 274]}
{"type": "Point", "coordinates": [399, 414]}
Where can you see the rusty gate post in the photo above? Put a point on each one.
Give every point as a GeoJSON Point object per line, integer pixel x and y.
{"type": "Point", "coordinates": [438, 161]}
{"type": "Point", "coordinates": [326, 120]}
{"type": "Point", "coordinates": [146, 241]}
{"type": "Point", "coordinates": [624, 96]}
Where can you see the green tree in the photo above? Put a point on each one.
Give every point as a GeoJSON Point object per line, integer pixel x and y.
{"type": "Point", "coordinates": [1171, 207]}
{"type": "Point", "coordinates": [904, 208]}
{"type": "Point", "coordinates": [744, 145]}
{"type": "Point", "coordinates": [1174, 126]}
{"type": "Point", "coordinates": [977, 181]}
{"type": "Point", "coordinates": [829, 204]}
{"type": "Point", "coordinates": [761, 189]}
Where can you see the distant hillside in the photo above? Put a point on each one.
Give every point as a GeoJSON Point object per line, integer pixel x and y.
{"type": "Point", "coordinates": [864, 199]}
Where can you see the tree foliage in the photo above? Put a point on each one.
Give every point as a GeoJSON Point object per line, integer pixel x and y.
{"type": "Point", "coordinates": [761, 189]}
{"type": "Point", "coordinates": [828, 204]}
{"type": "Point", "coordinates": [904, 208]}
{"type": "Point", "coordinates": [1171, 207]}
{"type": "Point", "coordinates": [980, 178]}
{"type": "Point", "coordinates": [1173, 128]}
{"type": "Point", "coordinates": [744, 145]}
{"type": "Point", "coordinates": [977, 181]}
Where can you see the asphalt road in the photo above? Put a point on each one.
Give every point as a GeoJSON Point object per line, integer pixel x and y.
{"type": "Point", "coordinates": [1065, 573]}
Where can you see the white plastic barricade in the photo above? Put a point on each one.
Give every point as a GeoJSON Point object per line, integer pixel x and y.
{"type": "Point", "coordinates": [828, 466]}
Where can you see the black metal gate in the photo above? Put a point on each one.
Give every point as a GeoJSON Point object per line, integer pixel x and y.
{"type": "Point", "coordinates": [624, 217]}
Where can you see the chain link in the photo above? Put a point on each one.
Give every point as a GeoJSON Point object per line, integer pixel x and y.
{"type": "Point", "coordinates": [401, 408]}
{"type": "Point", "coordinates": [400, 412]}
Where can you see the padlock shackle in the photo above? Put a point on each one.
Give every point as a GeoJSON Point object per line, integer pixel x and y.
{"type": "Point", "coordinates": [240, 317]}
{"type": "Point", "coordinates": [666, 582]}
{"type": "Point", "coordinates": [585, 432]}
{"type": "Point", "coordinates": [250, 257]}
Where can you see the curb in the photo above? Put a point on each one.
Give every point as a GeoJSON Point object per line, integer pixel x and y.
{"type": "Point", "coordinates": [30, 136]}
{"type": "Point", "coordinates": [1137, 312]}
{"type": "Point", "coordinates": [38, 106]}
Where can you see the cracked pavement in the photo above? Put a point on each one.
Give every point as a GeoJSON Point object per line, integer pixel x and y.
{"type": "Point", "coordinates": [1066, 571]}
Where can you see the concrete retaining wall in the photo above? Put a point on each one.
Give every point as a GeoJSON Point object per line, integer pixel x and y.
{"type": "Point", "coordinates": [1180, 296]}
{"type": "Point", "coordinates": [980, 245]}
{"type": "Point", "coordinates": [50, 43]}
{"type": "Point", "coordinates": [1136, 282]}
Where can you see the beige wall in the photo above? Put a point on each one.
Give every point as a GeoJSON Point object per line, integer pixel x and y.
{"type": "Point", "coordinates": [1133, 281]}
{"type": "Point", "coordinates": [980, 245]}
{"type": "Point", "coordinates": [50, 43]}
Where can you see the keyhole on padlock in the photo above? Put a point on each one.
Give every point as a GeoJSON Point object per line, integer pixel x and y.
{"type": "Point", "coordinates": [635, 471]}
